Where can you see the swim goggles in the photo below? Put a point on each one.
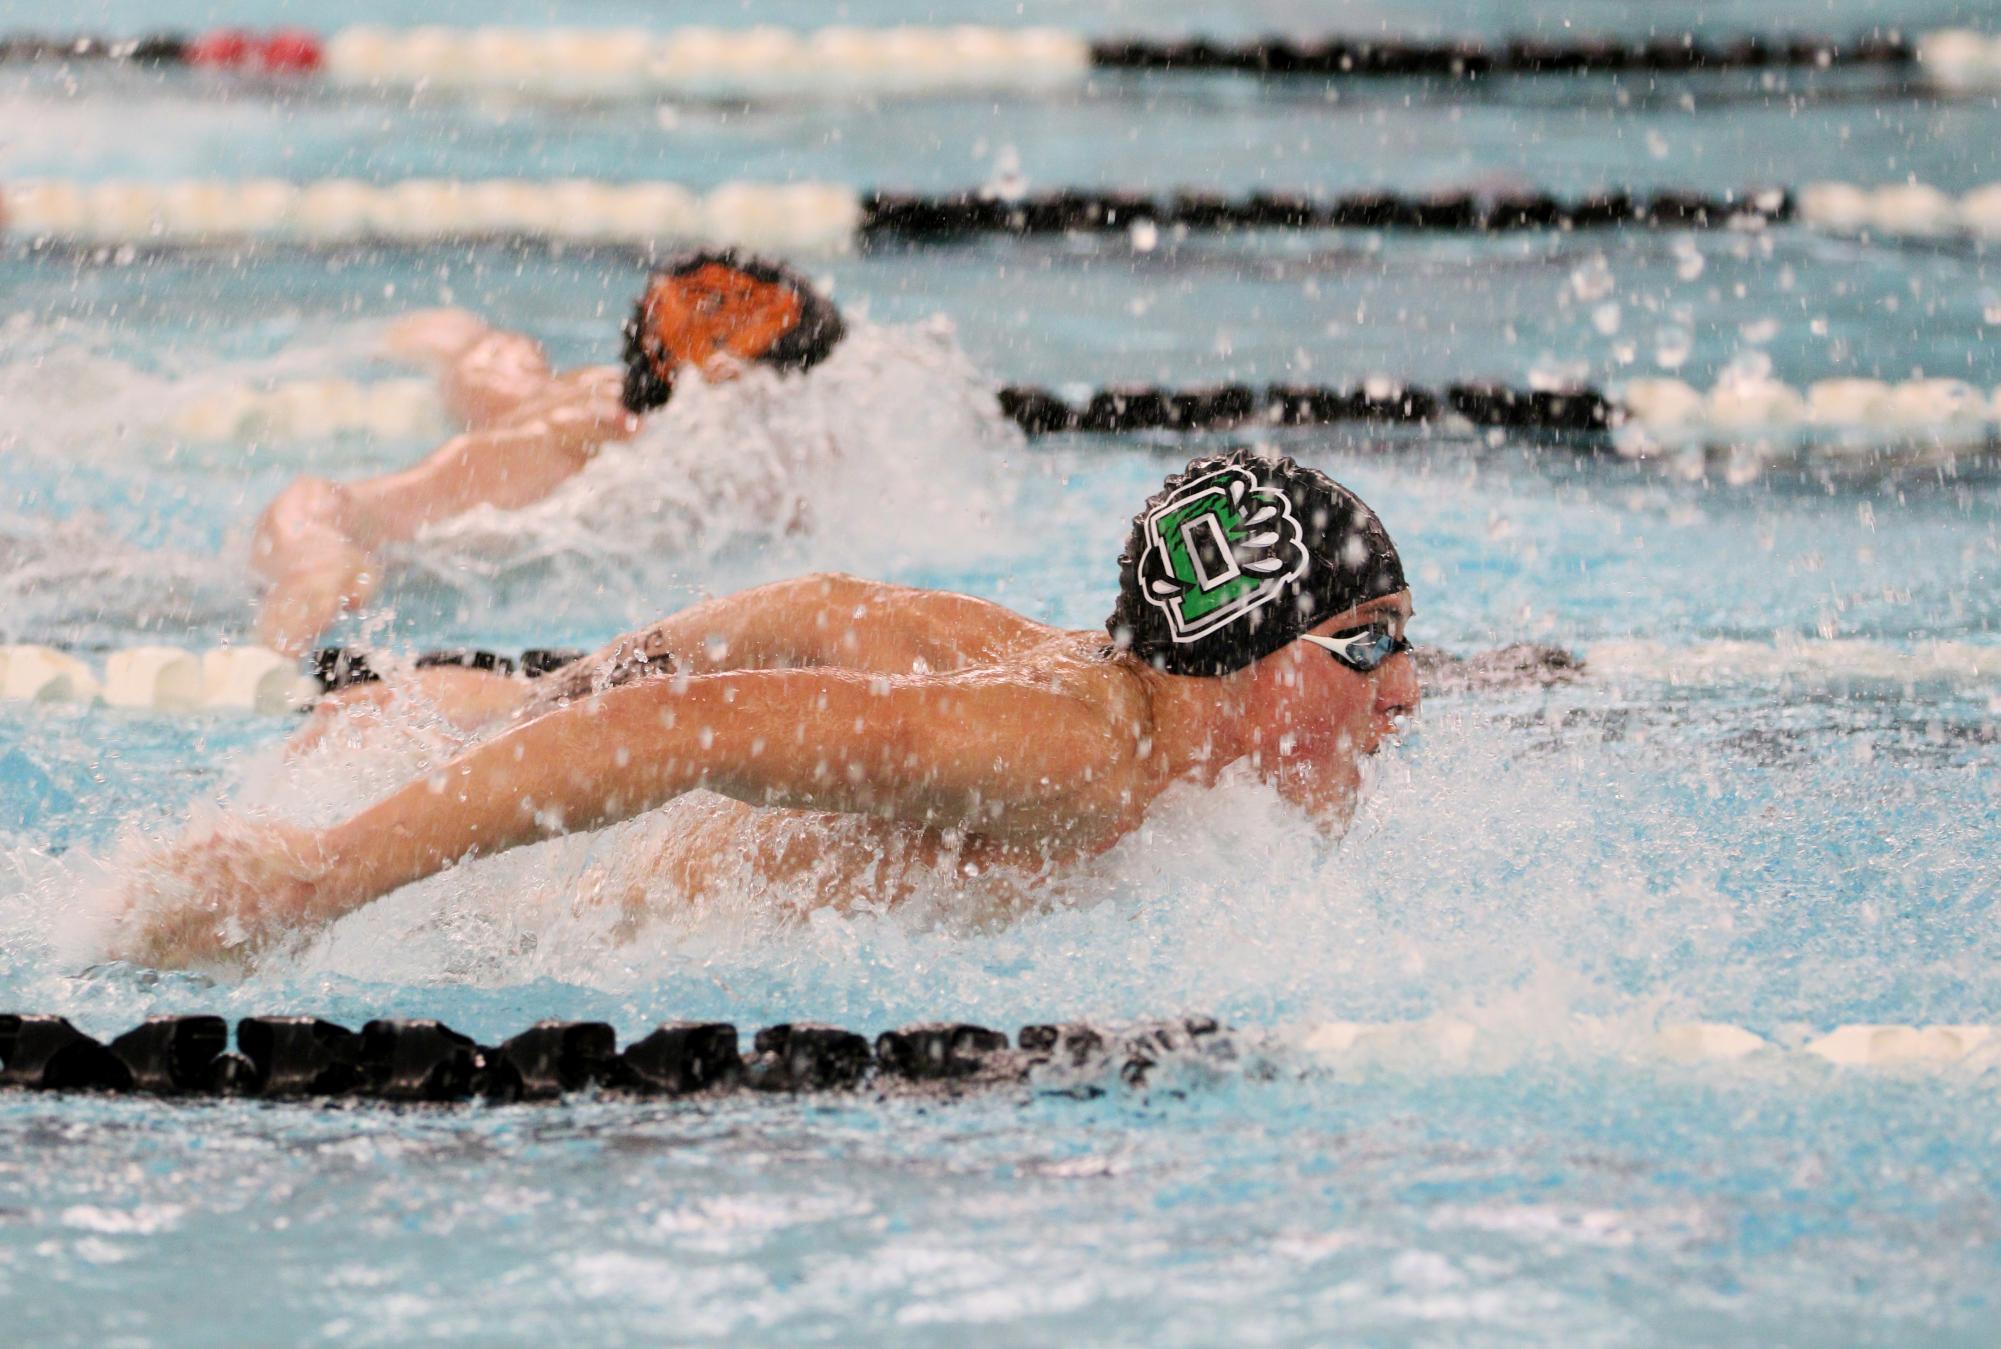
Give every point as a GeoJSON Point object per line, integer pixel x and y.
{"type": "Point", "coordinates": [1363, 649]}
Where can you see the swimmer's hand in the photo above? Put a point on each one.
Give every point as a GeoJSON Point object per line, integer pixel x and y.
{"type": "Point", "coordinates": [433, 337]}
{"type": "Point", "coordinates": [305, 544]}
{"type": "Point", "coordinates": [304, 603]}
{"type": "Point", "coordinates": [220, 896]}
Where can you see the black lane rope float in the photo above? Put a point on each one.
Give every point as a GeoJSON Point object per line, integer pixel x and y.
{"type": "Point", "coordinates": [626, 62]}
{"type": "Point", "coordinates": [1467, 59]}
{"type": "Point", "coordinates": [1224, 407]}
{"type": "Point", "coordinates": [421, 1060]}
{"type": "Point", "coordinates": [304, 1058]}
{"type": "Point", "coordinates": [929, 218]}
{"type": "Point", "coordinates": [337, 667]}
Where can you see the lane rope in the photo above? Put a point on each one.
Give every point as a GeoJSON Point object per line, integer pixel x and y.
{"type": "Point", "coordinates": [159, 678]}
{"type": "Point", "coordinates": [1651, 411]}
{"type": "Point", "coordinates": [832, 217]}
{"type": "Point", "coordinates": [277, 1057]}
{"type": "Point", "coordinates": [249, 679]}
{"type": "Point", "coordinates": [765, 60]}
{"type": "Point", "coordinates": [803, 216]}
{"type": "Point", "coordinates": [809, 217]}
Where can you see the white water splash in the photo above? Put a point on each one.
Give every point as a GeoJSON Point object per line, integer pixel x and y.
{"type": "Point", "coordinates": [1797, 660]}
{"type": "Point", "coordinates": [893, 448]}
{"type": "Point", "coordinates": [76, 582]}
{"type": "Point", "coordinates": [72, 398]}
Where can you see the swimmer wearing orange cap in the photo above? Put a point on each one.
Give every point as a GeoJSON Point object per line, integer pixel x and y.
{"type": "Point", "coordinates": [846, 739]}
{"type": "Point", "coordinates": [320, 545]}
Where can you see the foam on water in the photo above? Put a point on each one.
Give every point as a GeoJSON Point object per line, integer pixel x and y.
{"type": "Point", "coordinates": [1484, 881]}
{"type": "Point", "coordinates": [891, 449]}
{"type": "Point", "coordinates": [75, 580]}
{"type": "Point", "coordinates": [77, 393]}
{"type": "Point", "coordinates": [1799, 661]}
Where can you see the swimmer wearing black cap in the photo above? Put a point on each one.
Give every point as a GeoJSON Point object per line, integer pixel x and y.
{"type": "Point", "coordinates": [320, 544]}
{"type": "Point", "coordinates": [847, 738]}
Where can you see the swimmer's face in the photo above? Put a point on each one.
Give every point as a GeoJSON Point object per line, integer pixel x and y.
{"type": "Point", "coordinates": [715, 319]}
{"type": "Point", "coordinates": [1314, 719]}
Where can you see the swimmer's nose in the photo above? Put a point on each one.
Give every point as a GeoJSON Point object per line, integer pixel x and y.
{"type": "Point", "coordinates": [1397, 693]}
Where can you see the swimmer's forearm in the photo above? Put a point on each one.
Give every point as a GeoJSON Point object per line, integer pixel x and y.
{"type": "Point", "coordinates": [927, 753]}
{"type": "Point", "coordinates": [510, 465]}
{"type": "Point", "coordinates": [582, 767]}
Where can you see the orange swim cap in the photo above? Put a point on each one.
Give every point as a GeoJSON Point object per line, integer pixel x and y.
{"type": "Point", "coordinates": [713, 304]}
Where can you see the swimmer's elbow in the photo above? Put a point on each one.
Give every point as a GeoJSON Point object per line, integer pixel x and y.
{"type": "Point", "coordinates": [309, 515]}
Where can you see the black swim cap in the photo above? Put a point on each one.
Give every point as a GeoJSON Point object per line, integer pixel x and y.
{"type": "Point", "coordinates": [1237, 555]}
{"type": "Point", "coordinates": [802, 346]}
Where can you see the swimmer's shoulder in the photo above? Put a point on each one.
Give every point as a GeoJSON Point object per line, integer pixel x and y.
{"type": "Point", "coordinates": [1084, 665]}
{"type": "Point", "coordinates": [957, 630]}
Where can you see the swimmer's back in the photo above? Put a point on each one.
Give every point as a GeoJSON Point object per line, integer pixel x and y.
{"type": "Point", "coordinates": [903, 629]}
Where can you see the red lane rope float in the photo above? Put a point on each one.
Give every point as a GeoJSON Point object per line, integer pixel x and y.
{"type": "Point", "coordinates": [287, 51]}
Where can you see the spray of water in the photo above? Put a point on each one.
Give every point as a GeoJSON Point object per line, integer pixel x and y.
{"type": "Point", "coordinates": [891, 449]}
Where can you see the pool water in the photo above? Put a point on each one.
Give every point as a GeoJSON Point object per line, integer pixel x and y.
{"type": "Point", "coordinates": [1787, 844]}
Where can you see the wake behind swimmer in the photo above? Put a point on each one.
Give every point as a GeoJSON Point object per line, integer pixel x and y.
{"type": "Point", "coordinates": [326, 547]}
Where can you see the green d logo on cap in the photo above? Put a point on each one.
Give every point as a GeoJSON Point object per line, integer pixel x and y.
{"type": "Point", "coordinates": [1221, 547]}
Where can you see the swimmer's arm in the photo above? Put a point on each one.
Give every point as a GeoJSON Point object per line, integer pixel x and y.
{"type": "Point", "coordinates": [492, 378]}
{"type": "Point", "coordinates": [513, 463]}
{"type": "Point", "coordinates": [484, 373]}
{"type": "Point", "coordinates": [1012, 761]}
{"type": "Point", "coordinates": [318, 542]}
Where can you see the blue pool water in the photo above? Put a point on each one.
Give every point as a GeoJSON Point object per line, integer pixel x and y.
{"type": "Point", "coordinates": [1784, 846]}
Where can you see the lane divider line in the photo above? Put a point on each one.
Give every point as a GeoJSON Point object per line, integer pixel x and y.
{"type": "Point", "coordinates": [765, 60]}
{"type": "Point", "coordinates": [278, 1057]}
{"type": "Point", "coordinates": [830, 217]}
{"type": "Point", "coordinates": [160, 679]}
{"type": "Point", "coordinates": [1640, 413]}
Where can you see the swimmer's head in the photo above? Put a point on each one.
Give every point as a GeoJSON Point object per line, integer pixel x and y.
{"type": "Point", "coordinates": [714, 310]}
{"type": "Point", "coordinates": [1278, 590]}
{"type": "Point", "coordinates": [1236, 556]}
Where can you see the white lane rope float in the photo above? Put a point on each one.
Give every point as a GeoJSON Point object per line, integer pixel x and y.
{"type": "Point", "coordinates": [160, 679]}
{"type": "Point", "coordinates": [809, 217]}
{"type": "Point", "coordinates": [280, 1057]}
{"type": "Point", "coordinates": [169, 679]}
{"type": "Point", "coordinates": [708, 62]}
{"type": "Point", "coordinates": [1638, 414]}
{"type": "Point", "coordinates": [829, 217]}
